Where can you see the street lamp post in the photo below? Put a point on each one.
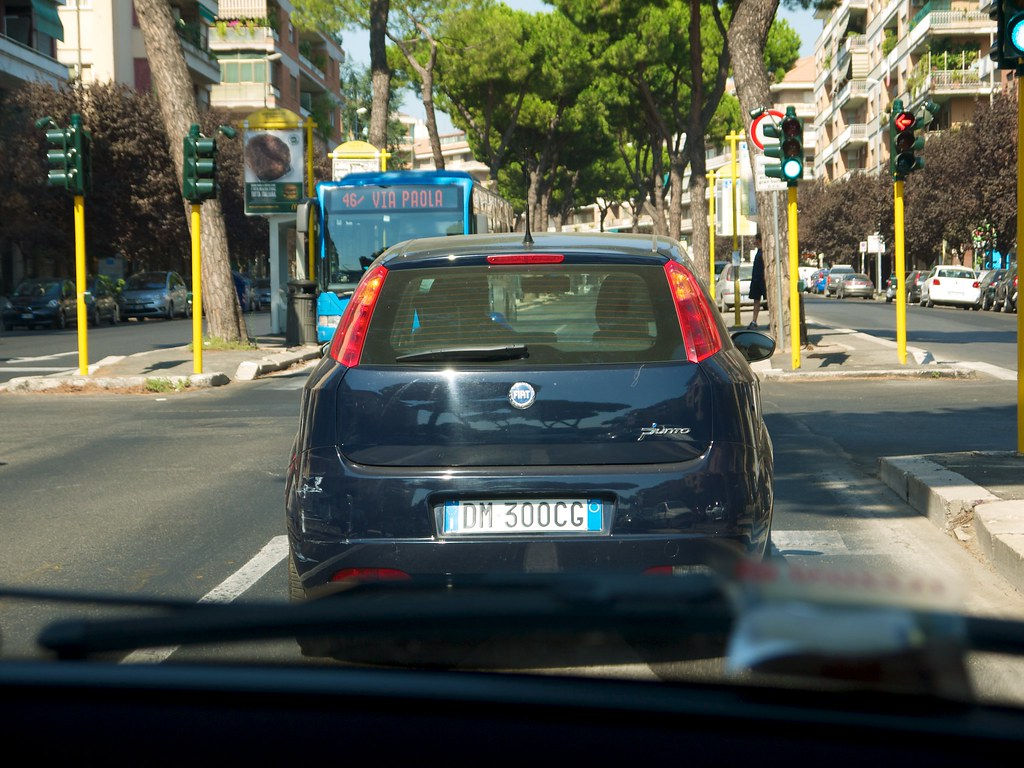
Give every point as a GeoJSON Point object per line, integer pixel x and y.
{"type": "Point", "coordinates": [359, 112]}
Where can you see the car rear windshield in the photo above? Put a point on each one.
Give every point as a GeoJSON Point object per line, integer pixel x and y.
{"type": "Point", "coordinates": [147, 281]}
{"type": "Point", "coordinates": [962, 273]}
{"type": "Point", "coordinates": [564, 315]}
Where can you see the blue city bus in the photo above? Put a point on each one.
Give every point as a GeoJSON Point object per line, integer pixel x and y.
{"type": "Point", "coordinates": [365, 213]}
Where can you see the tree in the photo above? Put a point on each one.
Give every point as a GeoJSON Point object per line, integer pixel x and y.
{"type": "Point", "coordinates": [177, 102]}
{"type": "Point", "coordinates": [749, 31]}
{"type": "Point", "coordinates": [484, 72]}
{"type": "Point", "coordinates": [373, 16]}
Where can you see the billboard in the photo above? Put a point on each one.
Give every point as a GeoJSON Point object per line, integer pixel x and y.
{"type": "Point", "coordinates": [274, 164]}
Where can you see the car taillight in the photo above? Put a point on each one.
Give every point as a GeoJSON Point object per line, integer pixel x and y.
{"type": "Point", "coordinates": [371, 574]}
{"type": "Point", "coordinates": [935, 281]}
{"type": "Point", "coordinates": [526, 258]}
{"type": "Point", "coordinates": [347, 344]}
{"type": "Point", "coordinates": [700, 332]}
{"type": "Point", "coordinates": [976, 284]}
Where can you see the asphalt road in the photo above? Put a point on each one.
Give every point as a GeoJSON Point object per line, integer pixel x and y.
{"type": "Point", "coordinates": [33, 353]}
{"type": "Point", "coordinates": [180, 495]}
{"type": "Point", "coordinates": [947, 332]}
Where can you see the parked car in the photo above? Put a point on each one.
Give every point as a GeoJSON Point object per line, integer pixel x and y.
{"type": "Point", "coordinates": [8, 313]}
{"type": "Point", "coordinates": [855, 284]}
{"type": "Point", "coordinates": [805, 274]}
{"type": "Point", "coordinates": [1005, 295]}
{"type": "Point", "coordinates": [429, 446]}
{"type": "Point", "coordinates": [726, 285]}
{"type": "Point", "coordinates": [262, 292]}
{"type": "Point", "coordinates": [914, 280]}
{"type": "Point", "coordinates": [891, 286]}
{"type": "Point", "coordinates": [102, 301]}
{"type": "Point", "coordinates": [956, 286]}
{"type": "Point", "coordinates": [835, 274]}
{"type": "Point", "coordinates": [988, 287]}
{"type": "Point", "coordinates": [155, 294]}
{"type": "Point", "coordinates": [44, 301]}
{"type": "Point", "coordinates": [246, 294]}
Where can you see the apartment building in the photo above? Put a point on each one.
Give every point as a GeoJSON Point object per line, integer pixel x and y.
{"type": "Point", "coordinates": [102, 43]}
{"type": "Point", "coordinates": [29, 33]}
{"type": "Point", "coordinates": [871, 52]}
{"type": "Point", "coordinates": [267, 62]}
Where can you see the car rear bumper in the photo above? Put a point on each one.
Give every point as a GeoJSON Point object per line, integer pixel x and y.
{"type": "Point", "coordinates": [859, 292]}
{"type": "Point", "coordinates": [969, 299]}
{"type": "Point", "coordinates": [656, 515]}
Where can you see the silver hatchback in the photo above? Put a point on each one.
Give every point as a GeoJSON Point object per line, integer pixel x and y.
{"type": "Point", "coordinates": [855, 284]}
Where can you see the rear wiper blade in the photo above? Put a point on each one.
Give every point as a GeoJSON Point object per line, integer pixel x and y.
{"type": "Point", "coordinates": [481, 354]}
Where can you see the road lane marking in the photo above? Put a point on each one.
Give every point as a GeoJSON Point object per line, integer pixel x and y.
{"type": "Point", "coordinates": [820, 542]}
{"type": "Point", "coordinates": [42, 357]}
{"type": "Point", "coordinates": [37, 369]}
{"type": "Point", "coordinates": [234, 585]}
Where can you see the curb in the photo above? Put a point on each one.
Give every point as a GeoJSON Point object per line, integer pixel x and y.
{"type": "Point", "coordinates": [252, 369]}
{"type": "Point", "coordinates": [951, 502]}
{"type": "Point", "coordinates": [44, 383]}
{"type": "Point", "coordinates": [946, 372]}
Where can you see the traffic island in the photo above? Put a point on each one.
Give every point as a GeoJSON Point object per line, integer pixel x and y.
{"type": "Point", "coordinates": [976, 496]}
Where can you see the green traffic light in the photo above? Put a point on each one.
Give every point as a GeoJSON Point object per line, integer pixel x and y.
{"type": "Point", "coordinates": [1016, 34]}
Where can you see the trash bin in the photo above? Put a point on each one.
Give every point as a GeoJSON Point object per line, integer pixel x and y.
{"type": "Point", "coordinates": [301, 325]}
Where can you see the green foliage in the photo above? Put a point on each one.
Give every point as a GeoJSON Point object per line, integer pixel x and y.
{"type": "Point", "coordinates": [781, 50]}
{"type": "Point", "coordinates": [889, 42]}
{"type": "Point", "coordinates": [163, 386]}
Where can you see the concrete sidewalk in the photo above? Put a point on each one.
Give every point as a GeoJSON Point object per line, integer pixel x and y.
{"type": "Point", "coordinates": [833, 353]}
{"type": "Point", "coordinates": [173, 367]}
{"type": "Point", "coordinates": [976, 496]}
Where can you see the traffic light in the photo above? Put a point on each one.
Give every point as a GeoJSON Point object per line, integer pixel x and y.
{"type": "Point", "coordinates": [199, 174]}
{"type": "Point", "coordinates": [68, 155]}
{"type": "Point", "coordinates": [1008, 44]}
{"type": "Point", "coordinates": [790, 150]}
{"type": "Point", "coordinates": [903, 145]}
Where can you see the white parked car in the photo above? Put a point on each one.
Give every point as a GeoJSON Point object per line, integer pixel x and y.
{"type": "Point", "coordinates": [957, 286]}
{"type": "Point", "coordinates": [726, 284]}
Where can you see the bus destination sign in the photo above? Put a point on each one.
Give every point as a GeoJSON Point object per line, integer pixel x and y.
{"type": "Point", "coordinates": [398, 198]}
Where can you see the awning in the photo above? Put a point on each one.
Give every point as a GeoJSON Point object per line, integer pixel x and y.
{"type": "Point", "coordinates": [47, 20]}
{"type": "Point", "coordinates": [209, 14]}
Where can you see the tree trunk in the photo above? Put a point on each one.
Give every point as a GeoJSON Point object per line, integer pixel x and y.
{"type": "Point", "coordinates": [748, 32]}
{"type": "Point", "coordinates": [427, 93]}
{"type": "Point", "coordinates": [173, 89]}
{"type": "Point", "coordinates": [380, 75]}
{"type": "Point", "coordinates": [675, 202]}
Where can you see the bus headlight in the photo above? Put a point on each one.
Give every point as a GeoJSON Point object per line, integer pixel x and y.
{"type": "Point", "coordinates": [329, 321]}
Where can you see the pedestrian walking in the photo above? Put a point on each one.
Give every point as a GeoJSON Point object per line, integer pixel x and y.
{"type": "Point", "coordinates": [758, 290]}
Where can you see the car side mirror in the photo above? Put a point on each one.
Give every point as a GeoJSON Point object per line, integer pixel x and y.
{"type": "Point", "coordinates": [754, 345]}
{"type": "Point", "coordinates": [325, 348]}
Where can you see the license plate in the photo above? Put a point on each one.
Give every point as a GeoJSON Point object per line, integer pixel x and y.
{"type": "Point", "coordinates": [467, 517]}
{"type": "Point", "coordinates": [27, 316]}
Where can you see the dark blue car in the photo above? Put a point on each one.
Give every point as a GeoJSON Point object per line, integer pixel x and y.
{"type": "Point", "coordinates": [575, 404]}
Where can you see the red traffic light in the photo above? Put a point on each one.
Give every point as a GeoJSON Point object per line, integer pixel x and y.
{"type": "Point", "coordinates": [790, 127]}
{"type": "Point", "coordinates": [904, 121]}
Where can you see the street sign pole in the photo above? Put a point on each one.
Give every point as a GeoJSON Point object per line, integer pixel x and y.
{"type": "Point", "coordinates": [1020, 240]}
{"type": "Point", "coordinates": [197, 293]}
{"type": "Point", "coordinates": [711, 229]}
{"type": "Point", "coordinates": [83, 335]}
{"type": "Point", "coordinates": [901, 295]}
{"type": "Point", "coordinates": [780, 330]}
{"type": "Point", "coordinates": [794, 295]}
{"type": "Point", "coordinates": [734, 138]}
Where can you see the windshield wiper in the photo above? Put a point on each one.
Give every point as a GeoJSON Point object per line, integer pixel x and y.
{"type": "Point", "coordinates": [482, 354]}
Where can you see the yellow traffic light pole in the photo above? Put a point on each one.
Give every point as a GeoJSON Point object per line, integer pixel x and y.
{"type": "Point", "coordinates": [1020, 240]}
{"type": "Point", "coordinates": [197, 292]}
{"type": "Point", "coordinates": [734, 138]}
{"type": "Point", "coordinates": [83, 321]}
{"type": "Point", "coordinates": [711, 229]}
{"type": "Point", "coordinates": [794, 264]}
{"type": "Point", "coordinates": [901, 296]}
{"type": "Point", "coordinates": [310, 125]}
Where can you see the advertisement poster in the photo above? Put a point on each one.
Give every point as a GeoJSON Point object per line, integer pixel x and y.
{"type": "Point", "coordinates": [273, 170]}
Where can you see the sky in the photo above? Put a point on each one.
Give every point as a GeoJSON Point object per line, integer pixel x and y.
{"type": "Point", "coordinates": [357, 48]}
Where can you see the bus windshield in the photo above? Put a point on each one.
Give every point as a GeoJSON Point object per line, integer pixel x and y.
{"type": "Point", "coordinates": [363, 221]}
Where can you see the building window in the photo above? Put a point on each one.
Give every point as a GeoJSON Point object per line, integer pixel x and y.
{"type": "Point", "coordinates": [295, 86]}
{"type": "Point", "coordinates": [291, 33]}
{"type": "Point", "coordinates": [243, 70]}
{"type": "Point", "coordinates": [143, 78]}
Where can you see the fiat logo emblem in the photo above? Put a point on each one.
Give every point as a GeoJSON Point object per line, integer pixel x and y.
{"type": "Point", "coordinates": [521, 395]}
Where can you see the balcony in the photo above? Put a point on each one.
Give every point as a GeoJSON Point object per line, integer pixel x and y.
{"type": "Point", "coordinates": [855, 134]}
{"type": "Point", "coordinates": [20, 63]}
{"type": "Point", "coordinates": [853, 93]}
{"type": "Point", "coordinates": [198, 59]}
{"type": "Point", "coordinates": [224, 38]}
{"type": "Point", "coordinates": [249, 96]}
{"type": "Point", "coordinates": [940, 16]}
